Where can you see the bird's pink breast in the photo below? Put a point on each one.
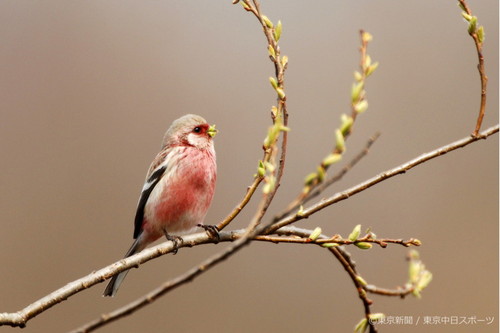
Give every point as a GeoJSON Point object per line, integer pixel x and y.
{"type": "Point", "coordinates": [186, 194]}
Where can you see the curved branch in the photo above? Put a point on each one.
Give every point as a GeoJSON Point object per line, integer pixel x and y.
{"type": "Point", "coordinates": [333, 179]}
{"type": "Point", "coordinates": [477, 34]}
{"type": "Point", "coordinates": [21, 317]}
{"type": "Point", "coordinates": [381, 177]}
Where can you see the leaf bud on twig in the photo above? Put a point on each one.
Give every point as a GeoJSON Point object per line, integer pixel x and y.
{"type": "Point", "coordinates": [273, 82]}
{"type": "Point", "coordinates": [267, 21]}
{"type": "Point", "coordinates": [284, 60]}
{"type": "Point", "coordinates": [331, 159]}
{"type": "Point", "coordinates": [281, 93]}
{"type": "Point", "coordinates": [355, 233]}
{"type": "Point", "coordinates": [346, 124]}
{"type": "Point", "coordinates": [315, 234]}
{"type": "Point", "coordinates": [261, 170]}
{"type": "Point", "coordinates": [272, 53]}
{"type": "Point", "coordinates": [277, 31]}
{"type": "Point", "coordinates": [480, 34]}
{"type": "Point", "coordinates": [472, 25]}
{"type": "Point", "coordinates": [361, 106]}
{"type": "Point", "coordinates": [364, 245]}
{"type": "Point", "coordinates": [361, 326]}
{"type": "Point", "coordinates": [339, 141]}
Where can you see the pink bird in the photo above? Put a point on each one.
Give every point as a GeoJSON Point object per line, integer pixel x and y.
{"type": "Point", "coordinates": [178, 189]}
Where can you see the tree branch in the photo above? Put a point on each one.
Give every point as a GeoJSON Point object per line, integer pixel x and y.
{"type": "Point", "coordinates": [335, 178]}
{"type": "Point", "coordinates": [477, 34]}
{"type": "Point", "coordinates": [381, 177]}
{"type": "Point", "coordinates": [21, 317]}
{"type": "Point", "coordinates": [359, 105]}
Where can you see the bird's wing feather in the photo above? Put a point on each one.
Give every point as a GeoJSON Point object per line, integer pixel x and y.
{"type": "Point", "coordinates": [148, 187]}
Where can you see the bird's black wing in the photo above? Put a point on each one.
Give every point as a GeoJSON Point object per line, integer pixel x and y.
{"type": "Point", "coordinates": [146, 191]}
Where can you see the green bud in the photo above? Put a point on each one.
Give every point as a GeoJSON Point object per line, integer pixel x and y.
{"type": "Point", "coordinates": [416, 242]}
{"type": "Point", "coordinates": [356, 91]}
{"type": "Point", "coordinates": [281, 93]}
{"type": "Point", "coordinates": [480, 34]}
{"type": "Point", "coordinates": [361, 326]}
{"type": "Point", "coordinates": [321, 174]}
{"type": "Point", "coordinates": [367, 37]}
{"type": "Point", "coordinates": [425, 279]}
{"type": "Point", "coordinates": [371, 69]}
{"type": "Point", "coordinates": [466, 16]}
{"type": "Point", "coordinates": [472, 25]}
{"type": "Point", "coordinates": [284, 60]}
{"type": "Point", "coordinates": [272, 134]}
{"type": "Point", "coordinates": [269, 185]}
{"type": "Point", "coordinates": [271, 51]}
{"type": "Point", "coordinates": [364, 245]}
{"type": "Point", "coordinates": [277, 31]}
{"type": "Point", "coordinates": [346, 124]}
{"type": "Point", "coordinates": [361, 107]}
{"type": "Point", "coordinates": [339, 141]}
{"type": "Point", "coordinates": [329, 245]}
{"type": "Point", "coordinates": [414, 271]}
{"type": "Point", "coordinates": [361, 280]}
{"type": "Point", "coordinates": [261, 170]}
{"type": "Point", "coordinates": [245, 6]}
{"type": "Point", "coordinates": [269, 166]}
{"type": "Point", "coordinates": [300, 213]}
{"type": "Point", "coordinates": [274, 110]}
{"type": "Point", "coordinates": [331, 159]}
{"type": "Point", "coordinates": [267, 21]}
{"type": "Point", "coordinates": [267, 142]}
{"type": "Point", "coordinates": [368, 61]}
{"type": "Point", "coordinates": [357, 76]}
{"type": "Point", "coordinates": [310, 178]}
{"type": "Point", "coordinates": [355, 233]}
{"type": "Point", "coordinates": [273, 82]}
{"type": "Point", "coordinates": [315, 234]}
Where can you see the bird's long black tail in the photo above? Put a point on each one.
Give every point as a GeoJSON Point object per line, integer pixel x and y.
{"type": "Point", "coordinates": [117, 280]}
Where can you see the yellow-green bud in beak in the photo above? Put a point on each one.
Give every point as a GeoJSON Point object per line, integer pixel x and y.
{"type": "Point", "coordinates": [212, 131]}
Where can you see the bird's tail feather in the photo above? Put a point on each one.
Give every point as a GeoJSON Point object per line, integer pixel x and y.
{"type": "Point", "coordinates": [117, 280]}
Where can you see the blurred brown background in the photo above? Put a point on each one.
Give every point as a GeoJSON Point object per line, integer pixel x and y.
{"type": "Point", "coordinates": [87, 89]}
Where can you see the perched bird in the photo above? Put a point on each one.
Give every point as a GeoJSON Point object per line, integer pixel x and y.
{"type": "Point", "coordinates": [178, 189]}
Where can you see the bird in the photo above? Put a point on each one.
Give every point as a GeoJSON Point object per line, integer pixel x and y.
{"type": "Point", "coordinates": [178, 189]}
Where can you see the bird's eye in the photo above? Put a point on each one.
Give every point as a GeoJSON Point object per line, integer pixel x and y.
{"type": "Point", "coordinates": [197, 129]}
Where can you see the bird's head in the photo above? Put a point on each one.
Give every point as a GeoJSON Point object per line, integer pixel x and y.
{"type": "Point", "coordinates": [191, 130]}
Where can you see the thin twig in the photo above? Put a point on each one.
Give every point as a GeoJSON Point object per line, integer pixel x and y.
{"type": "Point", "coordinates": [250, 191]}
{"type": "Point", "coordinates": [399, 292]}
{"type": "Point", "coordinates": [477, 35]}
{"type": "Point", "coordinates": [383, 242]}
{"type": "Point", "coordinates": [279, 116]}
{"type": "Point", "coordinates": [335, 178]}
{"type": "Point", "coordinates": [401, 169]}
{"type": "Point", "coordinates": [190, 275]}
{"type": "Point", "coordinates": [359, 286]}
{"type": "Point", "coordinates": [20, 318]}
{"type": "Point", "coordinates": [358, 105]}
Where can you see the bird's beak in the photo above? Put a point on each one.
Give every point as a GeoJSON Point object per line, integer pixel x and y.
{"type": "Point", "coordinates": [212, 131]}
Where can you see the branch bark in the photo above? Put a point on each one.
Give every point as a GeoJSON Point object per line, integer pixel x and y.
{"type": "Point", "coordinates": [21, 317]}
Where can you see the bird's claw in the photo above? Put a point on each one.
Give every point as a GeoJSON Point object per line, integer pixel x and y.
{"type": "Point", "coordinates": [175, 239]}
{"type": "Point", "coordinates": [212, 231]}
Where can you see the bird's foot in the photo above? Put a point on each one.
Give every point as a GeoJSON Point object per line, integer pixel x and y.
{"type": "Point", "coordinates": [175, 239]}
{"type": "Point", "coordinates": [212, 231]}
